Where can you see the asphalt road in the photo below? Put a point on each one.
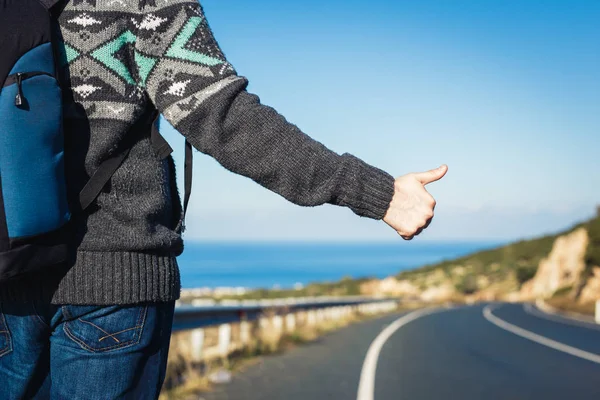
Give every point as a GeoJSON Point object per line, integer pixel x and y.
{"type": "Point", "coordinates": [498, 351]}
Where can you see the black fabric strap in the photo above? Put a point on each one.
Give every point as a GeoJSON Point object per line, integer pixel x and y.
{"type": "Point", "coordinates": [189, 161]}
{"type": "Point", "coordinates": [106, 170]}
{"type": "Point", "coordinates": [162, 148]}
{"type": "Point", "coordinates": [102, 175]}
{"type": "Point", "coordinates": [160, 144]}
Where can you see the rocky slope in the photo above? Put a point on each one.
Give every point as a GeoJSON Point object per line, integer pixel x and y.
{"type": "Point", "coordinates": [563, 268]}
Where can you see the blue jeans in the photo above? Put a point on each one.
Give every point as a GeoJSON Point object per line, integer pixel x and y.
{"type": "Point", "coordinates": [83, 352]}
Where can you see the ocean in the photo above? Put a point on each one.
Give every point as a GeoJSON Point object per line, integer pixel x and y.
{"type": "Point", "coordinates": [285, 264]}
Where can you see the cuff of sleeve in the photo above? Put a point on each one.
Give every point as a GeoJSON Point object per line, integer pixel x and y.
{"type": "Point", "coordinates": [366, 190]}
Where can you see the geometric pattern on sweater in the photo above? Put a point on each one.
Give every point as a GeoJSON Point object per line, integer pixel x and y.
{"type": "Point", "coordinates": [117, 52]}
{"type": "Point", "coordinates": [108, 55]}
{"type": "Point", "coordinates": [189, 58]}
{"type": "Point", "coordinates": [181, 109]}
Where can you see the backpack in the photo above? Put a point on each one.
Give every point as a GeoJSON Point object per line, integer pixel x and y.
{"type": "Point", "coordinates": [35, 232]}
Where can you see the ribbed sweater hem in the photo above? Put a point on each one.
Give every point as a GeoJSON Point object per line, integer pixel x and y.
{"type": "Point", "coordinates": [101, 278]}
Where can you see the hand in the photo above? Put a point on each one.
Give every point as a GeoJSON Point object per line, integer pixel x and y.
{"type": "Point", "coordinates": [411, 208]}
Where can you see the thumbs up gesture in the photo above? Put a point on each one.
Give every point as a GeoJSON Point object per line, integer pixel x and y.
{"type": "Point", "coordinates": [411, 208]}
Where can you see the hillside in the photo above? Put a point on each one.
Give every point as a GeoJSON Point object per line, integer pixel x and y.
{"type": "Point", "coordinates": [565, 264]}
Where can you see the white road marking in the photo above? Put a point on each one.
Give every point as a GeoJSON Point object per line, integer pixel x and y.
{"type": "Point", "coordinates": [536, 312]}
{"type": "Point", "coordinates": [534, 337]}
{"type": "Point", "coordinates": [366, 387]}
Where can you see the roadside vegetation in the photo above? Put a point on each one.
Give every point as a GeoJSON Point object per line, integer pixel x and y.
{"type": "Point", "coordinates": [564, 302]}
{"type": "Point", "coordinates": [592, 256]}
{"type": "Point", "coordinates": [510, 265]}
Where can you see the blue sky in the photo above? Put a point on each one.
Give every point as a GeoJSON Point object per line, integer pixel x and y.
{"type": "Point", "coordinates": [507, 93]}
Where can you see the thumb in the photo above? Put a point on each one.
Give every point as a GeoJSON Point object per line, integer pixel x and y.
{"type": "Point", "coordinates": [432, 175]}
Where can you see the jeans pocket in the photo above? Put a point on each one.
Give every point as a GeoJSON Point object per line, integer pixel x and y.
{"type": "Point", "coordinates": [5, 339]}
{"type": "Point", "coordinates": [103, 329]}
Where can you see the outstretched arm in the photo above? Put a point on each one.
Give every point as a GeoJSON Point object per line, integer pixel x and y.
{"type": "Point", "coordinates": [188, 78]}
{"type": "Point", "coordinates": [200, 94]}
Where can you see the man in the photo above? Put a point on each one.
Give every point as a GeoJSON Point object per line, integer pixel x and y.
{"type": "Point", "coordinates": [99, 327]}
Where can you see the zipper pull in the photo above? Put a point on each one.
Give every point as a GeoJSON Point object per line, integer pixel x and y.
{"type": "Point", "coordinates": [20, 98]}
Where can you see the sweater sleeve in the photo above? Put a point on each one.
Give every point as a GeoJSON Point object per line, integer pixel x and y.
{"type": "Point", "coordinates": [186, 75]}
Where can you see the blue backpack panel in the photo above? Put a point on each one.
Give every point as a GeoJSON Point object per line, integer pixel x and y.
{"type": "Point", "coordinates": [34, 211]}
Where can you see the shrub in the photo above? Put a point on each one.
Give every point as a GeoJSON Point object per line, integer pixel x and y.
{"type": "Point", "coordinates": [467, 285]}
{"type": "Point", "coordinates": [592, 256]}
{"type": "Point", "coordinates": [525, 273]}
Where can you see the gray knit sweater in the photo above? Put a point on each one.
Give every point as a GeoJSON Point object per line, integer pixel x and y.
{"type": "Point", "coordinates": [122, 56]}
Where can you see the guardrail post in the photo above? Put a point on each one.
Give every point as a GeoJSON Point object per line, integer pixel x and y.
{"type": "Point", "coordinates": [245, 332]}
{"type": "Point", "coordinates": [598, 311]}
{"type": "Point", "coordinates": [264, 322]}
{"type": "Point", "coordinates": [290, 322]}
{"type": "Point", "coordinates": [278, 323]}
{"type": "Point", "coordinates": [301, 318]}
{"type": "Point", "coordinates": [224, 339]}
{"type": "Point", "coordinates": [197, 338]}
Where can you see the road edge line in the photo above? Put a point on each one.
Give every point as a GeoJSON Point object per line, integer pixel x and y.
{"type": "Point", "coordinates": [366, 386]}
{"type": "Point", "coordinates": [534, 337]}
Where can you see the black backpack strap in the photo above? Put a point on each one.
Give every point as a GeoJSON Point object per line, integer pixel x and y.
{"type": "Point", "coordinates": [163, 150]}
{"type": "Point", "coordinates": [187, 177]}
{"type": "Point", "coordinates": [106, 170]}
{"type": "Point", "coordinates": [102, 175]}
{"type": "Point", "coordinates": [160, 144]}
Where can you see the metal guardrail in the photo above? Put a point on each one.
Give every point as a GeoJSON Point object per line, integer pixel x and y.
{"type": "Point", "coordinates": [192, 317]}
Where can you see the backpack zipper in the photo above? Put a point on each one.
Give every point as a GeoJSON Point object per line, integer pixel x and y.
{"type": "Point", "coordinates": [18, 79]}
{"type": "Point", "coordinates": [19, 98]}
